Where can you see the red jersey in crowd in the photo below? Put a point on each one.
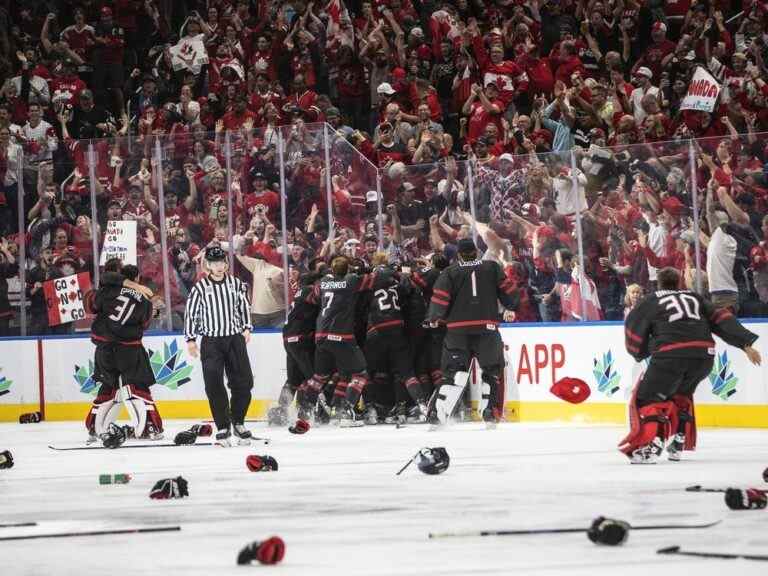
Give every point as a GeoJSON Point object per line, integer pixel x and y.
{"type": "Point", "coordinates": [479, 118]}
{"type": "Point", "coordinates": [80, 40]}
{"type": "Point", "coordinates": [266, 203]}
{"type": "Point", "coordinates": [510, 77]}
{"type": "Point", "coordinates": [66, 89]}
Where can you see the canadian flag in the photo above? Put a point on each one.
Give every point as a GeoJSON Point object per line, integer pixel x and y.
{"type": "Point", "coordinates": [442, 24]}
{"type": "Point", "coordinates": [336, 12]}
{"type": "Point", "coordinates": [64, 298]}
{"type": "Point", "coordinates": [577, 299]}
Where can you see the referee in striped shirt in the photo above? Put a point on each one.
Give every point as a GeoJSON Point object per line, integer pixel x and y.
{"type": "Point", "coordinates": [219, 311]}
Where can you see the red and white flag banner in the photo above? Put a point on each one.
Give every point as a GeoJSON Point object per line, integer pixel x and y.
{"type": "Point", "coordinates": [65, 298]}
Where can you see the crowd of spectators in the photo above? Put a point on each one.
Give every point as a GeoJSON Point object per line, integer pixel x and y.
{"type": "Point", "coordinates": [550, 130]}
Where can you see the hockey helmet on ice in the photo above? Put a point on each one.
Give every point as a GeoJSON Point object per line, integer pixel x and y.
{"type": "Point", "coordinates": [433, 460]}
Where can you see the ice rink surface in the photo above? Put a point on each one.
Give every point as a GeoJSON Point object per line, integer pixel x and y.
{"type": "Point", "coordinates": [341, 510]}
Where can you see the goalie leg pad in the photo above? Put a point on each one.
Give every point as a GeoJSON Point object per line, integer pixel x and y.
{"type": "Point", "coordinates": [142, 401]}
{"type": "Point", "coordinates": [652, 421]}
{"type": "Point", "coordinates": [106, 396]}
{"type": "Point", "coordinates": [105, 413]}
{"type": "Point", "coordinates": [447, 396]}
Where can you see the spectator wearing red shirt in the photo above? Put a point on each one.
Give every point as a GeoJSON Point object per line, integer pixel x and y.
{"type": "Point", "coordinates": [483, 107]}
{"type": "Point", "coordinates": [262, 201]}
{"type": "Point", "coordinates": [239, 116]}
{"type": "Point", "coordinates": [303, 98]}
{"type": "Point", "coordinates": [80, 37]}
{"type": "Point", "coordinates": [657, 51]}
{"type": "Point", "coordinates": [569, 63]}
{"type": "Point", "coordinates": [513, 79]}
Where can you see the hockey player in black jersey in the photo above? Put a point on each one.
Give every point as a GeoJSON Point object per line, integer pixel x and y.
{"type": "Point", "coordinates": [466, 297]}
{"type": "Point", "coordinates": [673, 327]}
{"type": "Point", "coordinates": [335, 344]}
{"type": "Point", "coordinates": [123, 311]}
{"type": "Point", "coordinates": [299, 343]}
{"type": "Point", "coordinates": [427, 343]}
{"type": "Point", "coordinates": [386, 347]}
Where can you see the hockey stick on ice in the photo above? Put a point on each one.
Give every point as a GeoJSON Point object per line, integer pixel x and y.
{"type": "Point", "coordinates": [19, 525]}
{"type": "Point", "coordinates": [407, 464]}
{"type": "Point", "coordinates": [699, 488]}
{"type": "Point", "coordinates": [264, 441]}
{"type": "Point", "coordinates": [563, 530]}
{"type": "Point", "coordinates": [66, 448]}
{"type": "Point", "coordinates": [676, 551]}
{"type": "Point", "coordinates": [93, 533]}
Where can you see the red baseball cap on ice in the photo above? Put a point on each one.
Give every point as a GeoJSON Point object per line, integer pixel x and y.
{"type": "Point", "coordinates": [571, 390]}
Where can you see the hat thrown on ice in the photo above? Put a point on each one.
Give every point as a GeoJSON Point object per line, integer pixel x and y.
{"type": "Point", "coordinates": [571, 390]}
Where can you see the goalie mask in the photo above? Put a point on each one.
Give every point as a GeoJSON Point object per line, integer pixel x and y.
{"type": "Point", "coordinates": [433, 460]}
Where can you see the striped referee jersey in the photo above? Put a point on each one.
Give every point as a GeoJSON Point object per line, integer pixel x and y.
{"type": "Point", "coordinates": [217, 309]}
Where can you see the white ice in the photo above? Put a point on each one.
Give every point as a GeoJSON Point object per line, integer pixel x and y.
{"type": "Point", "coordinates": [341, 510]}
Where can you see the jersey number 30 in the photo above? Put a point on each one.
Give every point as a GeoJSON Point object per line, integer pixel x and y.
{"type": "Point", "coordinates": [681, 306]}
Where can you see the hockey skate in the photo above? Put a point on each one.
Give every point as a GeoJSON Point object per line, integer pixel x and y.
{"type": "Point", "coordinates": [92, 437]}
{"type": "Point", "coordinates": [371, 417]}
{"type": "Point", "coordinates": [346, 417]}
{"type": "Point", "coordinates": [648, 454]}
{"type": "Point", "coordinates": [417, 413]}
{"type": "Point", "coordinates": [397, 415]}
{"type": "Point", "coordinates": [242, 434]}
{"type": "Point", "coordinates": [675, 447]}
{"type": "Point", "coordinates": [151, 433]}
{"type": "Point", "coordinates": [223, 438]}
{"type": "Point", "coordinates": [322, 411]}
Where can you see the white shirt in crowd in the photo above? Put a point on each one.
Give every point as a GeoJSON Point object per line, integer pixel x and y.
{"type": "Point", "coordinates": [12, 161]}
{"type": "Point", "coordinates": [721, 257]}
{"type": "Point", "coordinates": [657, 242]}
{"type": "Point", "coordinates": [267, 292]}
{"type": "Point", "coordinates": [636, 98]}
{"type": "Point", "coordinates": [46, 137]}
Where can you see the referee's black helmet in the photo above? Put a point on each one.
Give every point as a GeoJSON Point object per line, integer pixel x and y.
{"type": "Point", "coordinates": [215, 254]}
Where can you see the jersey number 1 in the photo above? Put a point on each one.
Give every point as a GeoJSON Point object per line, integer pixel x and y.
{"type": "Point", "coordinates": [681, 306]}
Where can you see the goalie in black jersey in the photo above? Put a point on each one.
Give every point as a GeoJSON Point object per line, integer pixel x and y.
{"type": "Point", "coordinates": [123, 311]}
{"type": "Point", "coordinates": [466, 297]}
{"type": "Point", "coordinates": [673, 327]}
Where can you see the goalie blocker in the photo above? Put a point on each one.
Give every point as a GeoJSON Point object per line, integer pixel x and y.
{"type": "Point", "coordinates": [675, 328]}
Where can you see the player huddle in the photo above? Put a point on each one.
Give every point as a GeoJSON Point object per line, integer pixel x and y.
{"type": "Point", "coordinates": [387, 344]}
{"type": "Point", "coordinates": [390, 344]}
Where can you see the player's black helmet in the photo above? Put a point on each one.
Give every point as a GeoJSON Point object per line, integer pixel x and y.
{"type": "Point", "coordinates": [433, 460]}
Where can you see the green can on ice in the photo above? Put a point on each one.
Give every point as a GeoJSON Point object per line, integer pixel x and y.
{"type": "Point", "coordinates": [114, 478]}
